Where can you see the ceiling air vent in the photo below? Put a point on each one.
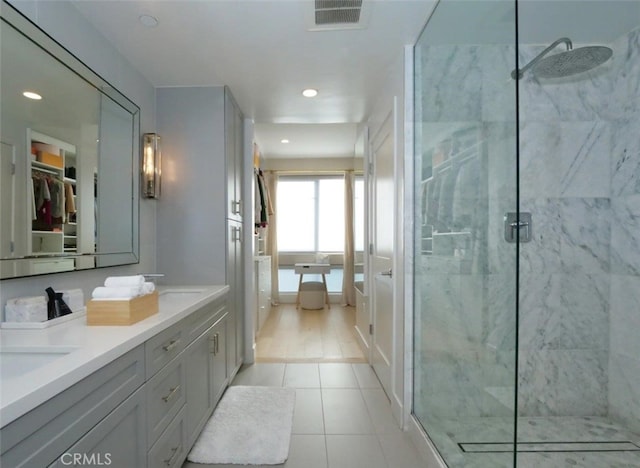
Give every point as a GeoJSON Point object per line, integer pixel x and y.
{"type": "Point", "coordinates": [339, 14]}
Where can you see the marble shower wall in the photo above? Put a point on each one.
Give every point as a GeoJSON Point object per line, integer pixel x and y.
{"type": "Point", "coordinates": [624, 351]}
{"type": "Point", "coordinates": [465, 300]}
{"type": "Point", "coordinates": [580, 179]}
{"type": "Point", "coordinates": [579, 277]}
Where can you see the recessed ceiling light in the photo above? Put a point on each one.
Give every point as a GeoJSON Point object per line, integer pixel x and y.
{"type": "Point", "coordinates": [32, 95]}
{"type": "Point", "coordinates": [284, 140]}
{"type": "Point", "coordinates": [148, 21]}
{"type": "Point", "coordinates": [310, 92]}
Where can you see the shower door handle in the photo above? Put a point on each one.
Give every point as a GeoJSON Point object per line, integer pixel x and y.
{"type": "Point", "coordinates": [517, 227]}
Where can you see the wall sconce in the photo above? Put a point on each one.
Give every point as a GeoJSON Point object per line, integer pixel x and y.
{"type": "Point", "coordinates": [151, 165]}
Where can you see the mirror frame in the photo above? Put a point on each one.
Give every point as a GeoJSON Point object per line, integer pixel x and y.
{"type": "Point", "coordinates": [14, 18]}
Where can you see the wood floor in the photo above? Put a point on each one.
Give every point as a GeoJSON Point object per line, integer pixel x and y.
{"type": "Point", "coordinates": [325, 335]}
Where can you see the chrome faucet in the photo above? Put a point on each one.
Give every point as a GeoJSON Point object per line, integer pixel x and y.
{"type": "Point", "coordinates": [152, 276]}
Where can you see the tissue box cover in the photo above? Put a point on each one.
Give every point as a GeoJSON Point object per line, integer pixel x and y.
{"type": "Point", "coordinates": [121, 312]}
{"type": "Point", "coordinates": [74, 298]}
{"type": "Point", "coordinates": [26, 309]}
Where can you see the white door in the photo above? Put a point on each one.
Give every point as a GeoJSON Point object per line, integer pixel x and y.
{"type": "Point", "coordinates": [381, 255]}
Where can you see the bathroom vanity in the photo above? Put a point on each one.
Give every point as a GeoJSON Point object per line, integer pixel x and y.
{"type": "Point", "coordinates": [135, 395]}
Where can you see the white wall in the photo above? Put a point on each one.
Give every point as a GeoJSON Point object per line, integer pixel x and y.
{"type": "Point", "coordinates": [66, 25]}
{"type": "Point", "coordinates": [311, 164]}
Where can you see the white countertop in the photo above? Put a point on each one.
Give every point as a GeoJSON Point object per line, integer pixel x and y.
{"type": "Point", "coordinates": [96, 346]}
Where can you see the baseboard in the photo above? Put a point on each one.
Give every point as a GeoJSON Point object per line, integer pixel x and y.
{"type": "Point", "coordinates": [362, 341]}
{"type": "Point", "coordinates": [234, 372]}
{"type": "Point", "coordinates": [424, 445]}
{"type": "Point", "coordinates": [397, 409]}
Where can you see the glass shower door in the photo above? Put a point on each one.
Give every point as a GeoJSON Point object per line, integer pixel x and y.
{"type": "Point", "coordinates": [466, 232]}
{"type": "Point", "coordinates": [579, 305]}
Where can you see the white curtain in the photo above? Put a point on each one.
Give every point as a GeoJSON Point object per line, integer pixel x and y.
{"type": "Point", "coordinates": [348, 290]}
{"type": "Point", "coordinates": [271, 178]}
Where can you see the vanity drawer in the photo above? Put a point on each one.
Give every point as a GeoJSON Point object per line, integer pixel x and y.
{"type": "Point", "coordinates": [165, 397]}
{"type": "Point", "coordinates": [163, 347]}
{"type": "Point", "coordinates": [170, 450]}
{"type": "Point", "coordinates": [202, 319]}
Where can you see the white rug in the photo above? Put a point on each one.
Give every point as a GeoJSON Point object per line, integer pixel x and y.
{"type": "Point", "coordinates": [250, 426]}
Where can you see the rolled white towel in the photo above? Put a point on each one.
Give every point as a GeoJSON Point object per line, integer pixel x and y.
{"type": "Point", "coordinates": [120, 281]}
{"type": "Point", "coordinates": [123, 292]}
{"type": "Point", "coordinates": [148, 287]}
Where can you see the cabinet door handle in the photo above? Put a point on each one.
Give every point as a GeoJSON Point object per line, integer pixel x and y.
{"type": "Point", "coordinates": [171, 394]}
{"type": "Point", "coordinates": [172, 344]}
{"type": "Point", "coordinates": [236, 234]}
{"type": "Point", "coordinates": [174, 451]}
{"type": "Point", "coordinates": [214, 340]}
{"type": "Point", "coordinates": [236, 207]}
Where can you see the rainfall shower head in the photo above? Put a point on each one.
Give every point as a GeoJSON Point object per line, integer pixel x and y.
{"type": "Point", "coordinates": [567, 63]}
{"type": "Point", "coordinates": [571, 62]}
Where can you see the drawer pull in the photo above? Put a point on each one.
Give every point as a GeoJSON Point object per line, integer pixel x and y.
{"type": "Point", "coordinates": [174, 451]}
{"type": "Point", "coordinates": [172, 344]}
{"type": "Point", "coordinates": [171, 394]}
{"type": "Point", "coordinates": [215, 340]}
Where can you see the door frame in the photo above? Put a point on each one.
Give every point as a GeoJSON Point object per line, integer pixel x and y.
{"type": "Point", "coordinates": [394, 109]}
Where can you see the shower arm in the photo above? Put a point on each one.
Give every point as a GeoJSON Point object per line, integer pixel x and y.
{"type": "Point", "coordinates": [517, 74]}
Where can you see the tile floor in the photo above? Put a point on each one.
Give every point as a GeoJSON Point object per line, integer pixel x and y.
{"type": "Point", "coordinates": [342, 417]}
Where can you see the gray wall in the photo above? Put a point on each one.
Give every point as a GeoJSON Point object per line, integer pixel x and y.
{"type": "Point", "coordinates": [65, 24]}
{"type": "Point", "coordinates": [191, 228]}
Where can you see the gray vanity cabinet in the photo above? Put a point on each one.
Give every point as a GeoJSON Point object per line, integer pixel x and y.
{"type": "Point", "coordinates": [206, 377]}
{"type": "Point", "coordinates": [199, 394]}
{"type": "Point", "coordinates": [170, 450]}
{"type": "Point", "coordinates": [182, 395]}
{"type": "Point", "coordinates": [233, 130]}
{"type": "Point", "coordinates": [165, 397]}
{"type": "Point", "coordinates": [118, 440]}
{"type": "Point", "coordinates": [235, 323]}
{"type": "Point", "coordinates": [43, 435]}
{"type": "Point", "coordinates": [237, 210]}
{"type": "Point", "coordinates": [202, 213]}
{"type": "Point", "coordinates": [146, 408]}
{"type": "Point", "coordinates": [218, 364]}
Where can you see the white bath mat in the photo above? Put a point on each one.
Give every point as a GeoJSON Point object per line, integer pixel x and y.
{"type": "Point", "coordinates": [250, 426]}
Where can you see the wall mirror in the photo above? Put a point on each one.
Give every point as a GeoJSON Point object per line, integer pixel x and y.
{"type": "Point", "coordinates": [68, 173]}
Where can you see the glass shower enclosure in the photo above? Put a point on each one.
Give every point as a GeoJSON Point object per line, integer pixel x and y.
{"type": "Point", "coordinates": [527, 233]}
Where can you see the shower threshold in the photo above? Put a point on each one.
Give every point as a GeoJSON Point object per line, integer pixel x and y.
{"type": "Point", "coordinates": [544, 442]}
{"type": "Point", "coordinates": [529, 447]}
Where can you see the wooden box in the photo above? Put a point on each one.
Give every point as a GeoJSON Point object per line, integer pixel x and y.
{"type": "Point", "coordinates": [116, 312]}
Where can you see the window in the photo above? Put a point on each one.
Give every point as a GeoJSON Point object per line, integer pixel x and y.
{"type": "Point", "coordinates": [311, 214]}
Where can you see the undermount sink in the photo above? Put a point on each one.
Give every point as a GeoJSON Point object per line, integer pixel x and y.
{"type": "Point", "coordinates": [180, 293]}
{"type": "Point", "coordinates": [18, 360]}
